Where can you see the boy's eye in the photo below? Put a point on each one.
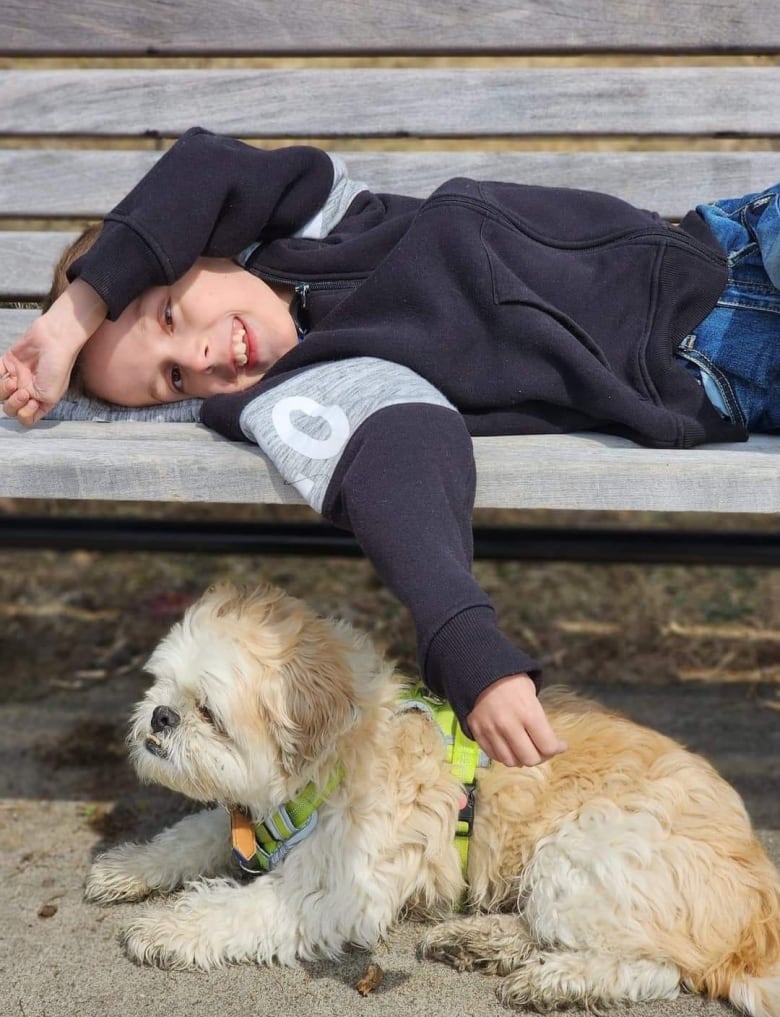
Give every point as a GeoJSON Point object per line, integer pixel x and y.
{"type": "Point", "coordinates": [168, 314]}
{"type": "Point", "coordinates": [176, 379]}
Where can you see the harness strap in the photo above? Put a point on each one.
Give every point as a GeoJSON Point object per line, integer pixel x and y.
{"type": "Point", "coordinates": [463, 755]}
{"type": "Point", "coordinates": [260, 847]}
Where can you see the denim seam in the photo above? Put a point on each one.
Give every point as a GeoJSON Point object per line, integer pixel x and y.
{"type": "Point", "coordinates": [753, 285]}
{"type": "Point", "coordinates": [750, 305]}
{"type": "Point", "coordinates": [702, 361]}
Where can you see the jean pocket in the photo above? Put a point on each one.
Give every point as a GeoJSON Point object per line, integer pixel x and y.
{"type": "Point", "coordinates": [718, 386]}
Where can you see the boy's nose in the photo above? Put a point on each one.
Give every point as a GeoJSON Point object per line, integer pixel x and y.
{"type": "Point", "coordinates": [197, 356]}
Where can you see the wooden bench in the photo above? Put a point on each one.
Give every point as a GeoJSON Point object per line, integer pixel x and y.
{"type": "Point", "coordinates": [664, 104]}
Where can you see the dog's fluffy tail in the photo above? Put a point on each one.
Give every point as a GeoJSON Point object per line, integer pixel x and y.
{"type": "Point", "coordinates": [759, 997]}
{"type": "Point", "coordinates": [749, 977]}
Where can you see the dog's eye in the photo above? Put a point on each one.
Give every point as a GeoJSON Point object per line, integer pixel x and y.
{"type": "Point", "coordinates": [206, 713]}
{"type": "Point", "coordinates": [209, 717]}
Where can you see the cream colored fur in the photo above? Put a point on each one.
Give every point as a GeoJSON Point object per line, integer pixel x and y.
{"type": "Point", "coordinates": [622, 870]}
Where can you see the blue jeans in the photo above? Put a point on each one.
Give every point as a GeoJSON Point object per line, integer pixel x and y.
{"type": "Point", "coordinates": [737, 346]}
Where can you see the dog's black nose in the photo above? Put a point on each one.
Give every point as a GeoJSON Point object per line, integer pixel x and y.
{"type": "Point", "coordinates": [164, 718]}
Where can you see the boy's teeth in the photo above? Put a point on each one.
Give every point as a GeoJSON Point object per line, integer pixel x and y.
{"type": "Point", "coordinates": [239, 347]}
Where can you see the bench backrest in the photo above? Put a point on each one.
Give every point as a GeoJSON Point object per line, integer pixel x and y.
{"type": "Point", "coordinates": [660, 102]}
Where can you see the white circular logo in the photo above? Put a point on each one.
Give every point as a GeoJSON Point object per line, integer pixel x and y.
{"type": "Point", "coordinates": [300, 441]}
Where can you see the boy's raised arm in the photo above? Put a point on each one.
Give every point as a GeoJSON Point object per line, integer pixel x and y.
{"type": "Point", "coordinates": [210, 196]}
{"type": "Point", "coordinates": [36, 370]}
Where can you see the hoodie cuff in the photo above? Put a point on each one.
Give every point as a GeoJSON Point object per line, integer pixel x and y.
{"type": "Point", "coordinates": [120, 267]}
{"type": "Point", "coordinates": [467, 655]}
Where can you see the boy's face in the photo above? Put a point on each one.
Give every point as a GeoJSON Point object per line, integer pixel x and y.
{"type": "Point", "coordinates": [217, 329]}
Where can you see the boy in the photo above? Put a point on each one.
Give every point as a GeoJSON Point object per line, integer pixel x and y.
{"type": "Point", "coordinates": [362, 339]}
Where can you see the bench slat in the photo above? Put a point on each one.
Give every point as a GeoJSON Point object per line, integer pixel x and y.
{"type": "Point", "coordinates": [186, 462]}
{"type": "Point", "coordinates": [89, 183]}
{"type": "Point", "coordinates": [12, 324]}
{"type": "Point", "coordinates": [27, 259]}
{"type": "Point", "coordinates": [105, 27]}
{"type": "Point", "coordinates": [397, 102]}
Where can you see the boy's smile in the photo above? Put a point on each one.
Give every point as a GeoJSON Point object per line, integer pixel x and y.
{"type": "Point", "coordinates": [217, 329]}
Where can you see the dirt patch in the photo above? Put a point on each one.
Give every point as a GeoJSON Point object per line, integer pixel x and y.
{"type": "Point", "coordinates": [89, 742]}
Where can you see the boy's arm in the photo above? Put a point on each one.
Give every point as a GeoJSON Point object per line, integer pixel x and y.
{"type": "Point", "coordinates": [209, 195]}
{"type": "Point", "coordinates": [378, 450]}
{"type": "Point", "coordinates": [36, 370]}
{"type": "Point", "coordinates": [406, 492]}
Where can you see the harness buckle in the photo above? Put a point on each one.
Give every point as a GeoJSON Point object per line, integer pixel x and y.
{"type": "Point", "coordinates": [466, 813]}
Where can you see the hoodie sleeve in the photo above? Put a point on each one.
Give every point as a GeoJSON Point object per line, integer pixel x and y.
{"type": "Point", "coordinates": [378, 450]}
{"type": "Point", "coordinates": [209, 195]}
{"type": "Point", "coordinates": [405, 487]}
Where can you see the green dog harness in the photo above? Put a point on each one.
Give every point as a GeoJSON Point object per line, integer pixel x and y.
{"type": "Point", "coordinates": [463, 755]}
{"type": "Point", "coordinates": [260, 847]}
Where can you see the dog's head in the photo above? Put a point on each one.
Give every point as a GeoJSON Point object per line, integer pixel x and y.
{"type": "Point", "coordinates": [251, 697]}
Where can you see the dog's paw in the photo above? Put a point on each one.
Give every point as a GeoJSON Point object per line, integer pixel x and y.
{"type": "Point", "coordinates": [494, 944]}
{"type": "Point", "coordinates": [117, 876]}
{"type": "Point", "coordinates": [154, 939]}
{"type": "Point", "coordinates": [171, 936]}
{"type": "Point", "coordinates": [440, 945]}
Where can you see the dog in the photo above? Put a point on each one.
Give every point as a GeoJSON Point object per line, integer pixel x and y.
{"type": "Point", "coordinates": [622, 870]}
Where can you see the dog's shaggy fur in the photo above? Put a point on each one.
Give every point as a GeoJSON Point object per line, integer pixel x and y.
{"type": "Point", "coordinates": [621, 870]}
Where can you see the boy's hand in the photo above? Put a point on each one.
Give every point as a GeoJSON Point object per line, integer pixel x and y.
{"type": "Point", "coordinates": [510, 725]}
{"type": "Point", "coordinates": [35, 372]}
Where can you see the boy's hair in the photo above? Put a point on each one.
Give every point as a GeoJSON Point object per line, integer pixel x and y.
{"type": "Point", "coordinates": [79, 246]}
{"type": "Point", "coordinates": [59, 283]}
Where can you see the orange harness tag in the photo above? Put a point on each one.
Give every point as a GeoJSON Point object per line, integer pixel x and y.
{"type": "Point", "coordinates": [242, 832]}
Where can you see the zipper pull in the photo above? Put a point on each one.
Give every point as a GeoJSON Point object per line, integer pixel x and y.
{"type": "Point", "coordinates": [302, 292]}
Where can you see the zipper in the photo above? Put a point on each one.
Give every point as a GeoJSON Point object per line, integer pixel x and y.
{"type": "Point", "coordinates": [302, 289]}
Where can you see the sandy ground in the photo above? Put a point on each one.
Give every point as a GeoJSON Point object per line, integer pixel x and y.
{"type": "Point", "coordinates": [66, 791]}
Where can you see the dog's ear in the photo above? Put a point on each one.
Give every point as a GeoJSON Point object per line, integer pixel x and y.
{"type": "Point", "coordinates": [318, 712]}
{"type": "Point", "coordinates": [303, 683]}
{"type": "Point", "coordinates": [309, 699]}
{"type": "Point", "coordinates": [306, 693]}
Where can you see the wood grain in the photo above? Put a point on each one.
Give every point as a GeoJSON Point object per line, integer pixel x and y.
{"type": "Point", "coordinates": [386, 26]}
{"type": "Point", "coordinates": [26, 261]}
{"type": "Point", "coordinates": [90, 182]}
{"type": "Point", "coordinates": [394, 102]}
{"type": "Point", "coordinates": [186, 462]}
